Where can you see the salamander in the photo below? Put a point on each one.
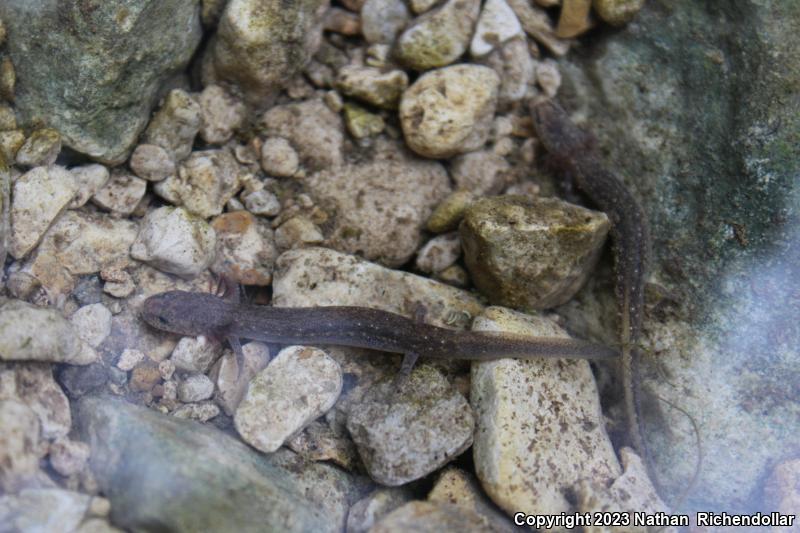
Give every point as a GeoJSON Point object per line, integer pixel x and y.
{"type": "Point", "coordinates": [573, 150]}
{"type": "Point", "coordinates": [196, 313]}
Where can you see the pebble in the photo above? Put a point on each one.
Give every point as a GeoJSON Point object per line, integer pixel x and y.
{"type": "Point", "coordinates": [92, 323]}
{"type": "Point", "coordinates": [8, 119]}
{"type": "Point", "coordinates": [497, 24]}
{"type": "Point", "coordinates": [121, 194]}
{"type": "Point", "coordinates": [548, 77]}
{"type": "Point", "coordinates": [403, 435]}
{"type": "Point", "coordinates": [37, 198]}
{"type": "Point", "coordinates": [371, 85]}
{"type": "Point", "coordinates": [297, 232]}
{"type": "Point", "coordinates": [144, 377]}
{"type": "Point", "coordinates": [448, 214]}
{"type": "Point", "coordinates": [175, 125]}
{"type": "Point", "coordinates": [531, 253]}
{"type": "Point", "coordinates": [430, 516]}
{"type": "Point", "coordinates": [262, 203]}
{"type": "Point", "coordinates": [31, 333]}
{"type": "Point", "coordinates": [10, 143]}
{"type": "Point", "coordinates": [298, 386]}
{"type": "Point", "coordinates": [258, 47]}
{"type": "Point", "coordinates": [195, 354]}
{"type": "Point", "coordinates": [68, 457]}
{"type": "Point", "coordinates": [382, 20]}
{"type": "Point", "coordinates": [231, 385]}
{"type": "Point", "coordinates": [89, 179]}
{"type": "Point", "coordinates": [321, 441]}
{"type": "Point", "coordinates": [221, 114]}
{"type": "Point", "coordinates": [195, 388]}
{"type": "Point", "coordinates": [151, 162]}
{"type": "Point", "coordinates": [631, 492]}
{"type": "Point", "coordinates": [454, 275]}
{"type": "Point", "coordinates": [245, 248]}
{"type": "Point", "coordinates": [617, 12]}
{"type": "Point", "coordinates": [439, 253]}
{"type": "Point", "coordinates": [175, 241]}
{"type": "Point", "coordinates": [316, 132]}
{"type": "Point", "coordinates": [82, 380]}
{"type": "Point", "coordinates": [421, 6]}
{"type": "Point", "coordinates": [370, 509]}
{"type": "Point", "coordinates": [129, 358]}
{"type": "Point", "coordinates": [201, 412]}
{"type": "Point", "coordinates": [341, 21]}
{"type": "Point", "coordinates": [19, 445]}
{"type": "Point", "coordinates": [439, 37]}
{"type": "Point", "coordinates": [40, 149]}
{"type": "Point", "coordinates": [396, 191]}
{"type": "Point", "coordinates": [279, 158]}
{"type": "Point", "coordinates": [512, 61]}
{"type": "Point", "coordinates": [574, 18]}
{"type": "Point", "coordinates": [459, 488]}
{"type": "Point", "coordinates": [167, 369]}
{"type": "Point", "coordinates": [481, 172]}
{"type": "Point", "coordinates": [205, 182]}
{"type": "Point", "coordinates": [540, 428]}
{"type": "Point", "coordinates": [44, 510]}
{"type": "Point", "coordinates": [536, 23]}
{"type": "Point", "coordinates": [449, 111]}
{"type": "Point", "coordinates": [360, 122]}
{"type": "Point", "coordinates": [33, 385]}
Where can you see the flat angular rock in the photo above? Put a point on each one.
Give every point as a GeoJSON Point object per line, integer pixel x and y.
{"type": "Point", "coordinates": [189, 477]}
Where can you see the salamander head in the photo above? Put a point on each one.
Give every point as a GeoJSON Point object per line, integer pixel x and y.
{"type": "Point", "coordinates": [560, 136]}
{"type": "Point", "coordinates": [186, 313]}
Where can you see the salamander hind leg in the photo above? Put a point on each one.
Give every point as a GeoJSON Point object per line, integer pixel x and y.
{"type": "Point", "coordinates": [409, 359]}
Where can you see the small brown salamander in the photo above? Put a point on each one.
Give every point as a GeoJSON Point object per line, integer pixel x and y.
{"type": "Point", "coordinates": [195, 313]}
{"type": "Point", "coordinates": [574, 152]}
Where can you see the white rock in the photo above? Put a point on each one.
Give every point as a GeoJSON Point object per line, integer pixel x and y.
{"type": "Point", "coordinates": [33, 385]}
{"type": "Point", "coordinates": [40, 149]}
{"type": "Point", "coordinates": [37, 198]}
{"type": "Point", "coordinates": [90, 179]}
{"type": "Point", "coordinates": [376, 86]}
{"type": "Point", "coordinates": [195, 388]}
{"type": "Point", "coordinates": [262, 202]}
{"type": "Point", "coordinates": [68, 457]}
{"type": "Point", "coordinates": [152, 162]}
{"type": "Point", "coordinates": [92, 323]}
{"type": "Point", "coordinates": [19, 442]}
{"type": "Point", "coordinates": [382, 20]}
{"type": "Point", "coordinates": [449, 111]}
{"type": "Point", "coordinates": [175, 241]}
{"type": "Point", "coordinates": [245, 248]}
{"type": "Point", "coordinates": [548, 77]}
{"type": "Point", "coordinates": [439, 37]}
{"type": "Point", "coordinates": [539, 428]}
{"type": "Point", "coordinates": [480, 172]}
{"type": "Point", "coordinates": [316, 132]}
{"type": "Point", "coordinates": [166, 368]}
{"type": "Point", "coordinates": [513, 63]}
{"type": "Point", "coordinates": [202, 412]}
{"type": "Point", "coordinates": [44, 510]}
{"type": "Point", "coordinates": [204, 183]}
{"type": "Point", "coordinates": [195, 354]}
{"type": "Point", "coordinates": [278, 158]}
{"type": "Point", "coordinates": [439, 253]}
{"type": "Point", "coordinates": [298, 386]}
{"type": "Point", "coordinates": [231, 385]}
{"type": "Point", "coordinates": [121, 194]}
{"type": "Point", "coordinates": [296, 232]}
{"type": "Point", "coordinates": [31, 333]}
{"type": "Point", "coordinates": [222, 114]}
{"type": "Point", "coordinates": [129, 359]}
{"type": "Point", "coordinates": [175, 125]}
{"type": "Point", "coordinates": [497, 24]}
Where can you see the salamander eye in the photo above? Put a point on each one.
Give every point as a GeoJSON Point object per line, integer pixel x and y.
{"type": "Point", "coordinates": [162, 320]}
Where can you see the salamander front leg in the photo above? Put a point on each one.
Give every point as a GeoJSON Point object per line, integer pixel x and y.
{"type": "Point", "coordinates": [405, 370]}
{"type": "Point", "coordinates": [236, 346]}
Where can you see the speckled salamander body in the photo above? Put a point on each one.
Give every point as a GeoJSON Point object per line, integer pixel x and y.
{"type": "Point", "coordinates": [574, 152]}
{"type": "Point", "coordinates": [193, 313]}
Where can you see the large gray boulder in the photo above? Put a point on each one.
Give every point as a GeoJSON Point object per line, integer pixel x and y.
{"type": "Point", "coordinates": [93, 70]}
{"type": "Point", "coordinates": [695, 105]}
